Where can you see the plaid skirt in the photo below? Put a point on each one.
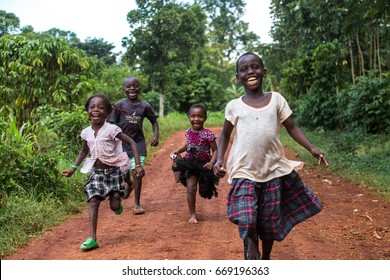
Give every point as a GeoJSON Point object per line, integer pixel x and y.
{"type": "Point", "coordinates": [270, 210]}
{"type": "Point", "coordinates": [101, 182]}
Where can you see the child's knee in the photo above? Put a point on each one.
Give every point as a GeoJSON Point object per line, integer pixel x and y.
{"type": "Point", "coordinates": [94, 201]}
{"type": "Point", "coordinates": [115, 200]}
{"type": "Point", "coordinates": [191, 189]}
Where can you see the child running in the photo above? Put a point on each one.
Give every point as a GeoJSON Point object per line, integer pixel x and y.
{"type": "Point", "coordinates": [196, 167]}
{"type": "Point", "coordinates": [267, 197]}
{"type": "Point", "coordinates": [106, 164]}
{"type": "Point", "coordinates": [129, 115]}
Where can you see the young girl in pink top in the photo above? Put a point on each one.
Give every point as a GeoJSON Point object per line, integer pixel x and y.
{"type": "Point", "coordinates": [196, 167]}
{"type": "Point", "coordinates": [106, 165]}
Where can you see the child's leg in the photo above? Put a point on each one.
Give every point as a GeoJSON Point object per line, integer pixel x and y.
{"type": "Point", "coordinates": [137, 195]}
{"type": "Point", "coordinates": [267, 248]}
{"type": "Point", "coordinates": [137, 184]}
{"type": "Point", "coordinates": [253, 252]}
{"type": "Point", "coordinates": [93, 208]}
{"type": "Point", "coordinates": [191, 198]}
{"type": "Point", "coordinates": [115, 201]}
{"type": "Point", "coordinates": [129, 187]}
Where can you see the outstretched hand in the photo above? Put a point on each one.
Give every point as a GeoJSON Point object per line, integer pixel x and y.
{"type": "Point", "coordinates": [208, 166]}
{"type": "Point", "coordinates": [154, 142]}
{"type": "Point", "coordinates": [219, 169]}
{"type": "Point", "coordinates": [68, 172]}
{"type": "Point", "coordinates": [321, 157]}
{"type": "Point", "coordinates": [139, 171]}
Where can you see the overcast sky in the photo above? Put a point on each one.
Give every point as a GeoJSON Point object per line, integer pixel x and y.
{"type": "Point", "coordinates": [107, 19]}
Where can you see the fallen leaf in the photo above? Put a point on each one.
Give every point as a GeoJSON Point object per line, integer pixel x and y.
{"type": "Point", "coordinates": [368, 217]}
{"type": "Point", "coordinates": [376, 235]}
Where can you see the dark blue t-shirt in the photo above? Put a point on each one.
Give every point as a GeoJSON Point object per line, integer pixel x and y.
{"type": "Point", "coordinates": [130, 120]}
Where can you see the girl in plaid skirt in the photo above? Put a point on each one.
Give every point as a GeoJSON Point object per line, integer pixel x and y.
{"type": "Point", "coordinates": [107, 164]}
{"type": "Point", "coordinates": [267, 197]}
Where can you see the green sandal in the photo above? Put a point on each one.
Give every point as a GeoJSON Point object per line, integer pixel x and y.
{"type": "Point", "coordinates": [89, 244]}
{"type": "Point", "coordinates": [119, 211]}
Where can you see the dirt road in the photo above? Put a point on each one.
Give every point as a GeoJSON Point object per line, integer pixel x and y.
{"type": "Point", "coordinates": [354, 224]}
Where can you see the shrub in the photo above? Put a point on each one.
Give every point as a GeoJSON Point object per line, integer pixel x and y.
{"type": "Point", "coordinates": [24, 167]}
{"type": "Point", "coordinates": [366, 104]}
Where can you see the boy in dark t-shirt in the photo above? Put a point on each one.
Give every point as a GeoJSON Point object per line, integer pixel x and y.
{"type": "Point", "coordinates": [129, 115]}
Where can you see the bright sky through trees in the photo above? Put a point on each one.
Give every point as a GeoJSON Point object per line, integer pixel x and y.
{"type": "Point", "coordinates": [107, 19]}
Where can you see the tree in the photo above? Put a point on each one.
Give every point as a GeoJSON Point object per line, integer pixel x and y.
{"type": "Point", "coordinates": [225, 27]}
{"type": "Point", "coordinates": [99, 48]}
{"type": "Point", "coordinates": [9, 23]}
{"type": "Point", "coordinates": [321, 47]}
{"type": "Point", "coordinates": [164, 33]}
{"type": "Point", "coordinates": [69, 36]}
{"type": "Point", "coordinates": [40, 71]}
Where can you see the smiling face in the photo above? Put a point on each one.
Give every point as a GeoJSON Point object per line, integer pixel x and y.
{"type": "Point", "coordinates": [97, 111]}
{"type": "Point", "coordinates": [132, 88]}
{"type": "Point", "coordinates": [197, 117]}
{"type": "Point", "coordinates": [250, 72]}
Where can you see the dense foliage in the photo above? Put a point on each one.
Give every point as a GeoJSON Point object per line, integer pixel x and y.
{"type": "Point", "coordinates": [327, 54]}
{"type": "Point", "coordinates": [330, 59]}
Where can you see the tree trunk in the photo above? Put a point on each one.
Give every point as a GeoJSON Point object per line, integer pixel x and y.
{"type": "Point", "coordinates": [161, 85]}
{"type": "Point", "coordinates": [371, 51]}
{"type": "Point", "coordinates": [352, 64]}
{"type": "Point", "coordinates": [375, 47]}
{"type": "Point", "coordinates": [379, 58]}
{"type": "Point", "coordinates": [361, 58]}
{"type": "Point", "coordinates": [161, 110]}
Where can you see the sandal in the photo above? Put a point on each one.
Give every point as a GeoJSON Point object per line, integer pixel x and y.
{"type": "Point", "coordinates": [119, 211]}
{"type": "Point", "coordinates": [89, 244]}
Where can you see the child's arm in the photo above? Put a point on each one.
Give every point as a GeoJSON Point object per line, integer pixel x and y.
{"type": "Point", "coordinates": [297, 134]}
{"type": "Point", "coordinates": [156, 133]}
{"type": "Point", "coordinates": [209, 165]}
{"type": "Point", "coordinates": [81, 156]}
{"type": "Point", "coordinates": [219, 166]}
{"type": "Point", "coordinates": [180, 150]}
{"type": "Point", "coordinates": [139, 170]}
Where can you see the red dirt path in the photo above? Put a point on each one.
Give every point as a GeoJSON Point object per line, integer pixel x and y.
{"type": "Point", "coordinates": [354, 224]}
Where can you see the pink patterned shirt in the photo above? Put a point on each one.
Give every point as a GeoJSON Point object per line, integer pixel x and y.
{"type": "Point", "coordinates": [105, 147]}
{"type": "Point", "coordinates": [200, 140]}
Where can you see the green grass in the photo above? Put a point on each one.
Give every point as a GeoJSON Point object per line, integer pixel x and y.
{"type": "Point", "coordinates": [361, 159]}
{"type": "Point", "coordinates": [27, 215]}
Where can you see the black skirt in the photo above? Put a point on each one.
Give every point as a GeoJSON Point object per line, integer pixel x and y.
{"type": "Point", "coordinates": [207, 181]}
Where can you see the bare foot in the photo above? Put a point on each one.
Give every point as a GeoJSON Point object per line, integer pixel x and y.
{"type": "Point", "coordinates": [138, 210]}
{"type": "Point", "coordinates": [193, 220]}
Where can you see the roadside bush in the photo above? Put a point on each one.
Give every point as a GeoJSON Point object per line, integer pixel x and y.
{"type": "Point", "coordinates": [316, 110]}
{"type": "Point", "coordinates": [366, 104]}
{"type": "Point", "coordinates": [66, 125]}
{"type": "Point", "coordinates": [28, 172]}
